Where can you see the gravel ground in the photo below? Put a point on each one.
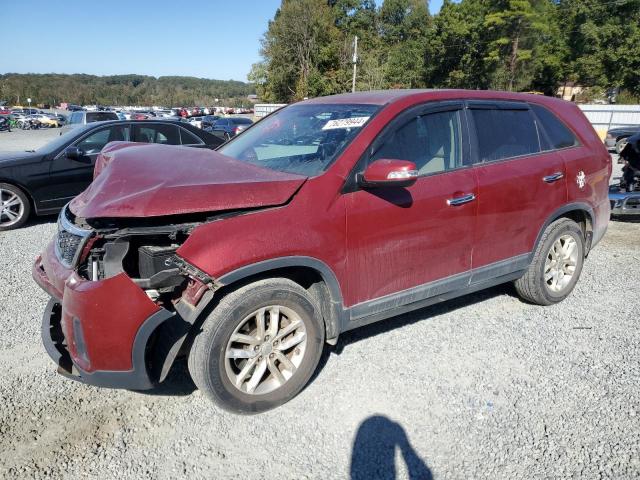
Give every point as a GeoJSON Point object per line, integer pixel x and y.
{"type": "Point", "coordinates": [484, 386]}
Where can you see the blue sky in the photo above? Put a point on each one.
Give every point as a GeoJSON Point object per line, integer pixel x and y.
{"type": "Point", "coordinates": [202, 38]}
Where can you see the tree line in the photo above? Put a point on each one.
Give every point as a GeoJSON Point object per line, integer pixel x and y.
{"type": "Point", "coordinates": [518, 45]}
{"type": "Point", "coordinates": [121, 90]}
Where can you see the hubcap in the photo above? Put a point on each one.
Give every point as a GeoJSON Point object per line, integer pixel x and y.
{"type": "Point", "coordinates": [561, 262]}
{"type": "Point", "coordinates": [265, 350]}
{"type": "Point", "coordinates": [11, 208]}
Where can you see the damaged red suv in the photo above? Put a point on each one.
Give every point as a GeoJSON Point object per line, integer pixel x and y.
{"type": "Point", "coordinates": [325, 216]}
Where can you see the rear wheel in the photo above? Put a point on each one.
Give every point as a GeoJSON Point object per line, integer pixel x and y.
{"type": "Point", "coordinates": [14, 207]}
{"type": "Point", "coordinates": [556, 265]}
{"type": "Point", "coordinates": [258, 347]}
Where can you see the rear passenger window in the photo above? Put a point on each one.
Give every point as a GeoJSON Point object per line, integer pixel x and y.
{"type": "Point", "coordinates": [505, 133]}
{"type": "Point", "coordinates": [431, 141]}
{"type": "Point", "coordinates": [189, 138]}
{"type": "Point", "coordinates": [558, 134]}
{"type": "Point", "coordinates": [164, 134]}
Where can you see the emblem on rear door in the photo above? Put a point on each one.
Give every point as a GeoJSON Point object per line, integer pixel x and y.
{"type": "Point", "coordinates": [581, 179]}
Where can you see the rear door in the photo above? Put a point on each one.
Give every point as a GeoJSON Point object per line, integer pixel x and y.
{"type": "Point", "coordinates": [401, 238]}
{"type": "Point", "coordinates": [519, 184]}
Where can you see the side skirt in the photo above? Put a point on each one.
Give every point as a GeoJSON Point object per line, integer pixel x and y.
{"type": "Point", "coordinates": [436, 292]}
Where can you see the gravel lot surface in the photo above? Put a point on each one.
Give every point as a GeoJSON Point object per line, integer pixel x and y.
{"type": "Point", "coordinates": [485, 386]}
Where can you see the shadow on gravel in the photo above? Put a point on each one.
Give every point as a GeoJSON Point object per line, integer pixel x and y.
{"type": "Point", "coordinates": [39, 220]}
{"type": "Point", "coordinates": [426, 313]}
{"type": "Point", "coordinates": [177, 384]}
{"type": "Point", "coordinates": [374, 452]}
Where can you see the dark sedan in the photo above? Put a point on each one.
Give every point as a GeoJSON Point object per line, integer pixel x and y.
{"type": "Point", "coordinates": [44, 180]}
{"type": "Point", "coordinates": [616, 138]}
{"type": "Point", "coordinates": [231, 126]}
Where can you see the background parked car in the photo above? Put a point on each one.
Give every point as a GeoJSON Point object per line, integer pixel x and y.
{"type": "Point", "coordinates": [84, 117]}
{"type": "Point", "coordinates": [196, 122]}
{"type": "Point", "coordinates": [44, 180]}
{"type": "Point", "coordinates": [208, 121]}
{"type": "Point", "coordinates": [616, 138]}
{"type": "Point", "coordinates": [231, 126]}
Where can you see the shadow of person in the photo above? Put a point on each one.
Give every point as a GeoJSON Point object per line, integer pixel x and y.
{"type": "Point", "coordinates": [374, 452]}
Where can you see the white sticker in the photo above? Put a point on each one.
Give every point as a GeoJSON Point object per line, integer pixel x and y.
{"type": "Point", "coordinates": [354, 122]}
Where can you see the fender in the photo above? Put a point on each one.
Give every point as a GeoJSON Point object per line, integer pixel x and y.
{"type": "Point", "coordinates": [569, 207]}
{"type": "Point", "coordinates": [335, 316]}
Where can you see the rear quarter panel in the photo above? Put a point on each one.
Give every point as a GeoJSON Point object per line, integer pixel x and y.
{"type": "Point", "coordinates": [588, 167]}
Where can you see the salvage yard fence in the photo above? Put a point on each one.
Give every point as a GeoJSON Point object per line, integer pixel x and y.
{"type": "Point", "coordinates": [605, 117]}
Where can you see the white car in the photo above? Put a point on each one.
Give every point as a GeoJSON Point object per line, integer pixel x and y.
{"type": "Point", "coordinates": [196, 121]}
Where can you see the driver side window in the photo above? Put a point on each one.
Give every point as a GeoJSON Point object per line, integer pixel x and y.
{"type": "Point", "coordinates": [432, 141]}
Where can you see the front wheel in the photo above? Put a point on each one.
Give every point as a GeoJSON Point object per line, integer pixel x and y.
{"type": "Point", "coordinates": [258, 347]}
{"type": "Point", "coordinates": [14, 207]}
{"type": "Point", "coordinates": [556, 266]}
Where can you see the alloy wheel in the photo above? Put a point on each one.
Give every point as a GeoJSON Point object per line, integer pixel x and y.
{"type": "Point", "coordinates": [265, 350]}
{"type": "Point", "coordinates": [560, 264]}
{"type": "Point", "coordinates": [11, 208]}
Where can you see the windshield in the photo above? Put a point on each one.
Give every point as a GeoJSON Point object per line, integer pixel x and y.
{"type": "Point", "coordinates": [302, 139]}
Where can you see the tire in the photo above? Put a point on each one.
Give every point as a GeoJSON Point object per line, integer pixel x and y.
{"type": "Point", "coordinates": [620, 144]}
{"type": "Point", "coordinates": [532, 286]}
{"type": "Point", "coordinates": [15, 214]}
{"type": "Point", "coordinates": [216, 375]}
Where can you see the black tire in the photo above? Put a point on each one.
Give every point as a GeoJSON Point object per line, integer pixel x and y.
{"type": "Point", "coordinates": [620, 144]}
{"type": "Point", "coordinates": [26, 207]}
{"type": "Point", "coordinates": [532, 286]}
{"type": "Point", "coordinates": [207, 355]}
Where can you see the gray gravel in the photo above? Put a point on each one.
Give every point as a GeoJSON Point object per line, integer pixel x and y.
{"type": "Point", "coordinates": [485, 386]}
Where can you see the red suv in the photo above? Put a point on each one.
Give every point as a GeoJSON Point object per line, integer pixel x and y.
{"type": "Point", "coordinates": [325, 216]}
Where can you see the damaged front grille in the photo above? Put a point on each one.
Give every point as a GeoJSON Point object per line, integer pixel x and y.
{"type": "Point", "coordinates": [70, 240]}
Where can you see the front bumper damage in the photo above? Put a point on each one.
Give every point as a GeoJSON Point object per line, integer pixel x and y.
{"type": "Point", "coordinates": [106, 327]}
{"type": "Point", "coordinates": [98, 332]}
{"type": "Point", "coordinates": [135, 378]}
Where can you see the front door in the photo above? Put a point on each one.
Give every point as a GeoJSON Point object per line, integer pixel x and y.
{"type": "Point", "coordinates": [400, 239]}
{"type": "Point", "coordinates": [69, 177]}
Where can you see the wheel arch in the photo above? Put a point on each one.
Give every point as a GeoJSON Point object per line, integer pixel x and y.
{"type": "Point", "coordinates": [579, 212]}
{"type": "Point", "coordinates": [312, 274]}
{"type": "Point", "coordinates": [25, 190]}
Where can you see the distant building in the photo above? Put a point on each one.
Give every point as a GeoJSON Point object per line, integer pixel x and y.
{"type": "Point", "coordinates": [569, 91]}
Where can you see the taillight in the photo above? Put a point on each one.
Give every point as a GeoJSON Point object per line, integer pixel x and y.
{"type": "Point", "coordinates": [237, 130]}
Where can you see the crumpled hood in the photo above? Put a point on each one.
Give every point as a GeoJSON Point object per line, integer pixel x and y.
{"type": "Point", "coordinates": [148, 180]}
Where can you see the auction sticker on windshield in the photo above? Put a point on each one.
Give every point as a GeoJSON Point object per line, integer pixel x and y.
{"type": "Point", "coordinates": [345, 123]}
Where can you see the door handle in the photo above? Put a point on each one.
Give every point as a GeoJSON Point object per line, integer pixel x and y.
{"type": "Point", "coordinates": [553, 177]}
{"type": "Point", "coordinates": [453, 202]}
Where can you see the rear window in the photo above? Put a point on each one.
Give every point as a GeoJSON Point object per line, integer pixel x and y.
{"type": "Point", "coordinates": [505, 133]}
{"type": "Point", "coordinates": [559, 136]}
{"type": "Point", "coordinates": [101, 116]}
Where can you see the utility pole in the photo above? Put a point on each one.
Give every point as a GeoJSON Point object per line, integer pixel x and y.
{"type": "Point", "coordinates": [355, 63]}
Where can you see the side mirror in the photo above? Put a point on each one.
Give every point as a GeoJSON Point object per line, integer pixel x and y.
{"type": "Point", "coordinates": [389, 173]}
{"type": "Point", "coordinates": [74, 153]}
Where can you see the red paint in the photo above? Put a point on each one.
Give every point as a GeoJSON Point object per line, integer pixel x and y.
{"type": "Point", "coordinates": [382, 172]}
{"type": "Point", "coordinates": [155, 180]}
{"type": "Point", "coordinates": [109, 321]}
{"type": "Point", "coordinates": [376, 241]}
